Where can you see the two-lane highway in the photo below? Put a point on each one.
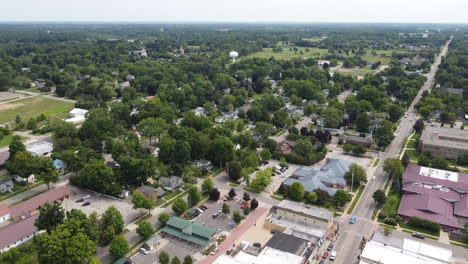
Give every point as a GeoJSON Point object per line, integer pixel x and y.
{"type": "Point", "coordinates": [351, 235]}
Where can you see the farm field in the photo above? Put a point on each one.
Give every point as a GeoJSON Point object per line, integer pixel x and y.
{"type": "Point", "coordinates": [286, 54]}
{"type": "Point", "coordinates": [32, 107]}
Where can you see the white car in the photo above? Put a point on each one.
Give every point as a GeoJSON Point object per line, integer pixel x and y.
{"type": "Point", "coordinates": [214, 251]}
{"type": "Point", "coordinates": [333, 255]}
{"type": "Point", "coordinates": [373, 177]}
{"type": "Point", "coordinates": [144, 251]}
{"type": "Point", "coordinates": [87, 196]}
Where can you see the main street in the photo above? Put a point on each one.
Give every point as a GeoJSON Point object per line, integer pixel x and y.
{"type": "Point", "coordinates": [349, 240]}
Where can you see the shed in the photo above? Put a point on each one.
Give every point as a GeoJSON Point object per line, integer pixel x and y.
{"type": "Point", "coordinates": [152, 243]}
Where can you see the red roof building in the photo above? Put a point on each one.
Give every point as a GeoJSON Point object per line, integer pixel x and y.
{"type": "Point", "coordinates": [14, 234]}
{"type": "Point", "coordinates": [436, 195]}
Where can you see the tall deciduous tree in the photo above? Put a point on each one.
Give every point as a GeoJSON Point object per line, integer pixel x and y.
{"type": "Point", "coordinates": [194, 196]}
{"type": "Point", "coordinates": [179, 206]}
{"type": "Point", "coordinates": [394, 168]}
{"type": "Point", "coordinates": [145, 229]}
{"type": "Point", "coordinates": [50, 216]}
{"type": "Point", "coordinates": [357, 174]}
{"type": "Point", "coordinates": [15, 146]}
{"type": "Point", "coordinates": [207, 184]}
{"type": "Point", "coordinates": [140, 201]}
{"type": "Point", "coordinates": [296, 191]}
{"type": "Point", "coordinates": [234, 170]}
{"type": "Point", "coordinates": [119, 246]}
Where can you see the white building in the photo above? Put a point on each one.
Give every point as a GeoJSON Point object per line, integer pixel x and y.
{"type": "Point", "coordinates": [77, 115]}
{"type": "Point", "coordinates": [20, 179]}
{"type": "Point", "coordinates": [40, 149]}
{"type": "Point", "coordinates": [267, 256]}
{"type": "Point", "coordinates": [391, 250]}
{"type": "Point", "coordinates": [17, 233]}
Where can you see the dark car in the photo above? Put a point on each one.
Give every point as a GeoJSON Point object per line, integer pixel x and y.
{"type": "Point", "coordinates": [322, 261]}
{"type": "Point", "coordinates": [330, 247]}
{"type": "Point", "coordinates": [80, 200]}
{"type": "Point", "coordinates": [229, 251]}
{"type": "Point", "coordinates": [418, 235]}
{"type": "Point", "coordinates": [86, 203]}
{"type": "Point", "coordinates": [257, 245]}
{"type": "Point", "coordinates": [204, 207]}
{"type": "Point", "coordinates": [273, 232]}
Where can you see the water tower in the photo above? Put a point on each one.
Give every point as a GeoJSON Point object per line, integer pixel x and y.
{"type": "Point", "coordinates": [233, 54]}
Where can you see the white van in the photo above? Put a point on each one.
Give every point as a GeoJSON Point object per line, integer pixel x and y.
{"type": "Point", "coordinates": [333, 255]}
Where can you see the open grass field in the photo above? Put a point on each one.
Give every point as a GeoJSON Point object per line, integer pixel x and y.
{"type": "Point", "coordinates": [290, 54]}
{"type": "Point", "coordinates": [6, 140]}
{"type": "Point", "coordinates": [32, 107]}
{"type": "Point", "coordinates": [356, 72]}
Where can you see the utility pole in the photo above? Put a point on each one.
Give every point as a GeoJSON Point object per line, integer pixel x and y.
{"type": "Point", "coordinates": [352, 179]}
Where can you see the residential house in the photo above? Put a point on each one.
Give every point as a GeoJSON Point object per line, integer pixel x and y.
{"type": "Point", "coordinates": [129, 77]}
{"type": "Point", "coordinates": [171, 184]}
{"type": "Point", "coordinates": [330, 177]}
{"type": "Point", "coordinates": [24, 180]}
{"type": "Point", "coordinates": [199, 111]}
{"type": "Point", "coordinates": [6, 185]}
{"type": "Point", "coordinates": [436, 195]}
{"type": "Point", "coordinates": [152, 193]}
{"type": "Point", "coordinates": [59, 164]}
{"type": "Point", "coordinates": [124, 85]}
{"type": "Point", "coordinates": [141, 53]}
{"type": "Point", "coordinates": [77, 115]}
{"type": "Point", "coordinates": [39, 83]}
{"type": "Point", "coordinates": [41, 149]}
{"type": "Point", "coordinates": [192, 232]}
{"type": "Point", "coordinates": [285, 146]}
{"type": "Point", "coordinates": [202, 163]}
{"type": "Point", "coordinates": [147, 98]}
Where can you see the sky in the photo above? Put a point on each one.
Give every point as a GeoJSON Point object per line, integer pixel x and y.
{"type": "Point", "coordinates": [404, 11]}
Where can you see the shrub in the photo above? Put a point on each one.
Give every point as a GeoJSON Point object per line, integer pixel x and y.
{"type": "Point", "coordinates": [424, 223]}
{"type": "Point", "coordinates": [390, 221]}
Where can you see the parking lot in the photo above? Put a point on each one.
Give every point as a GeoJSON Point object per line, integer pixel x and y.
{"type": "Point", "coordinates": [172, 246]}
{"type": "Point", "coordinates": [99, 203]}
{"type": "Point", "coordinates": [222, 222]}
{"type": "Point", "coordinates": [278, 178]}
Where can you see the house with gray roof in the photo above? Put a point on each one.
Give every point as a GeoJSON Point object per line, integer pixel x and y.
{"type": "Point", "coordinates": [171, 184]}
{"type": "Point", "coordinates": [6, 185]}
{"type": "Point", "coordinates": [152, 193]}
{"type": "Point", "coordinates": [330, 177]}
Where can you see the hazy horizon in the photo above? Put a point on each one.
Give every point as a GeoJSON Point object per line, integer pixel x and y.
{"type": "Point", "coordinates": [241, 11]}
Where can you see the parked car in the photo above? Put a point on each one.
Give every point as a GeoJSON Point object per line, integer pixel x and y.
{"type": "Point", "coordinates": [330, 247]}
{"type": "Point", "coordinates": [225, 198]}
{"type": "Point", "coordinates": [418, 235]}
{"type": "Point", "coordinates": [373, 177]}
{"type": "Point", "coordinates": [215, 215]}
{"type": "Point", "coordinates": [199, 210]}
{"type": "Point", "coordinates": [229, 251]}
{"type": "Point", "coordinates": [244, 205]}
{"type": "Point", "coordinates": [214, 251]}
{"type": "Point", "coordinates": [273, 232]}
{"type": "Point", "coordinates": [204, 207]}
{"type": "Point", "coordinates": [87, 196]}
{"type": "Point", "coordinates": [144, 251]}
{"type": "Point", "coordinates": [333, 255]}
{"type": "Point", "coordinates": [86, 203]}
{"type": "Point", "coordinates": [80, 200]}
{"type": "Point", "coordinates": [352, 220]}
{"type": "Point", "coordinates": [325, 255]}
{"type": "Point", "coordinates": [322, 261]}
{"type": "Point", "coordinates": [257, 245]}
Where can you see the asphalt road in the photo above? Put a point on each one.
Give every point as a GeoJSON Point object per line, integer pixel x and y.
{"type": "Point", "coordinates": [350, 238]}
{"type": "Point", "coordinates": [366, 205]}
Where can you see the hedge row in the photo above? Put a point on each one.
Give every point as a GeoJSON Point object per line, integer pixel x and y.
{"type": "Point", "coordinates": [419, 222]}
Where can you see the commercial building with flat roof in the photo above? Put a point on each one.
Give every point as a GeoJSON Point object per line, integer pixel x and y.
{"type": "Point", "coordinates": [192, 232]}
{"type": "Point", "coordinates": [390, 250]}
{"type": "Point", "coordinates": [288, 243]}
{"type": "Point", "coordinates": [436, 195]}
{"type": "Point", "coordinates": [444, 142]}
{"type": "Point", "coordinates": [305, 213]}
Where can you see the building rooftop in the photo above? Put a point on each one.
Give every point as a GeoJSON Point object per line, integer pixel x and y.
{"type": "Point", "coordinates": [4, 210]}
{"type": "Point", "coordinates": [404, 251]}
{"type": "Point", "coordinates": [454, 180]}
{"type": "Point", "coordinates": [40, 149]}
{"type": "Point", "coordinates": [314, 211]}
{"type": "Point", "coordinates": [267, 256]}
{"type": "Point", "coordinates": [190, 231]}
{"type": "Point", "coordinates": [35, 202]}
{"type": "Point", "coordinates": [444, 136]}
{"type": "Point", "coordinates": [17, 230]}
{"type": "Point", "coordinates": [288, 243]}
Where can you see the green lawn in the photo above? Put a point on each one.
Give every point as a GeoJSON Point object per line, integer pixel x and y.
{"type": "Point", "coordinates": [6, 140]}
{"type": "Point", "coordinates": [419, 229]}
{"type": "Point", "coordinates": [356, 199]}
{"type": "Point", "coordinates": [267, 53]}
{"type": "Point", "coordinates": [356, 72]}
{"type": "Point", "coordinates": [390, 208]}
{"type": "Point", "coordinates": [32, 107]}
